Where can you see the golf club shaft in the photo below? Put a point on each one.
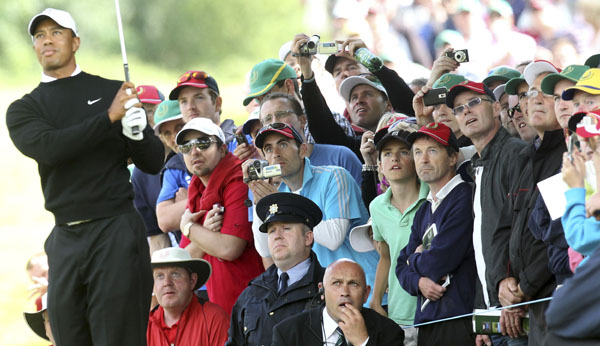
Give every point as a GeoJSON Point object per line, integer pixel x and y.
{"type": "Point", "coordinates": [135, 130]}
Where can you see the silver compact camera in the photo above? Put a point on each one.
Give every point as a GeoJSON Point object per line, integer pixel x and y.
{"type": "Point", "coordinates": [260, 169]}
{"type": "Point", "coordinates": [315, 46]}
{"type": "Point", "coordinates": [459, 56]}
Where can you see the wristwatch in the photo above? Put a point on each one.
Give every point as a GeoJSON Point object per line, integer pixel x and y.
{"type": "Point", "coordinates": [186, 229]}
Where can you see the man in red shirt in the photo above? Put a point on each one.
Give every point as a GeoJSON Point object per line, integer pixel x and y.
{"type": "Point", "coordinates": [181, 318]}
{"type": "Point", "coordinates": [216, 218]}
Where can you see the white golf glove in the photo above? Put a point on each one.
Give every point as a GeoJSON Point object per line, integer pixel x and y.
{"type": "Point", "coordinates": [134, 122]}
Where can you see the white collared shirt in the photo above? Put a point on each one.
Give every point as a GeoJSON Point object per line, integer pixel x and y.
{"type": "Point", "coordinates": [329, 334]}
{"type": "Point", "coordinates": [48, 79]}
{"type": "Point", "coordinates": [444, 191]}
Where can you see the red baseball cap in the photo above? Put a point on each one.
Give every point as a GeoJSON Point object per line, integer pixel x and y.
{"type": "Point", "coordinates": [479, 88]}
{"type": "Point", "coordinates": [280, 128]}
{"type": "Point", "coordinates": [149, 94]}
{"type": "Point", "coordinates": [438, 132]}
{"type": "Point", "coordinates": [198, 79]}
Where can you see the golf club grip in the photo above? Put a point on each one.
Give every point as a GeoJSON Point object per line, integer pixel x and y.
{"type": "Point", "coordinates": [135, 130]}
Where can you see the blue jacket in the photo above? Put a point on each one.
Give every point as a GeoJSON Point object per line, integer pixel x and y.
{"type": "Point", "coordinates": [574, 311]}
{"type": "Point", "coordinates": [451, 252]}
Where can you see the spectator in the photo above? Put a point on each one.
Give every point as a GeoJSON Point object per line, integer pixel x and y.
{"type": "Point", "coordinates": [149, 97]}
{"type": "Point", "coordinates": [39, 321]}
{"type": "Point", "coordinates": [167, 120]}
{"type": "Point", "coordinates": [584, 95]}
{"type": "Point", "coordinates": [506, 121]}
{"type": "Point", "coordinates": [343, 320]}
{"type": "Point", "coordinates": [330, 187]}
{"type": "Point", "coordinates": [181, 318]}
{"type": "Point", "coordinates": [526, 257]}
{"type": "Point", "coordinates": [438, 265]}
{"type": "Point", "coordinates": [518, 87]}
{"type": "Point", "coordinates": [37, 270]}
{"type": "Point", "coordinates": [341, 66]}
{"type": "Point", "coordinates": [289, 286]}
{"type": "Point", "coordinates": [496, 167]}
{"type": "Point", "coordinates": [278, 107]}
{"type": "Point", "coordinates": [80, 129]}
{"type": "Point", "coordinates": [392, 216]}
{"type": "Point", "coordinates": [499, 75]}
{"type": "Point", "coordinates": [223, 238]}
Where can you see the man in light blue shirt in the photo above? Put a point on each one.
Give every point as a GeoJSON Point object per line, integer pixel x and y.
{"type": "Point", "coordinates": [330, 187]}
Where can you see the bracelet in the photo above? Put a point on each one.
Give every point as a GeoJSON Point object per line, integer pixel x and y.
{"type": "Point", "coordinates": [369, 168]}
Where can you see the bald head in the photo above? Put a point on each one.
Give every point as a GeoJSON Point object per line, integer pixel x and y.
{"type": "Point", "coordinates": [344, 283]}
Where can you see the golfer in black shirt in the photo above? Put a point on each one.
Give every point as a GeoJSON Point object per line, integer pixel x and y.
{"type": "Point", "coordinates": [77, 128]}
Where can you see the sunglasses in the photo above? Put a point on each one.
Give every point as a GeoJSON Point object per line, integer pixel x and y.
{"type": "Point", "coordinates": [198, 75]}
{"type": "Point", "coordinates": [511, 111]}
{"type": "Point", "coordinates": [274, 126]}
{"type": "Point", "coordinates": [470, 104]}
{"type": "Point", "coordinates": [370, 77]}
{"type": "Point", "coordinates": [198, 143]}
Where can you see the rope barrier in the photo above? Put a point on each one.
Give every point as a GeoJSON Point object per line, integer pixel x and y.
{"type": "Point", "coordinates": [479, 312]}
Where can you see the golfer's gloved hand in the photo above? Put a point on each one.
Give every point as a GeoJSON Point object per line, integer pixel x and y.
{"type": "Point", "coordinates": [134, 118]}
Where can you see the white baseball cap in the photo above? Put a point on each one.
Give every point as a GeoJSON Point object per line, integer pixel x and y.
{"type": "Point", "coordinates": [359, 238]}
{"type": "Point", "coordinates": [535, 68]}
{"type": "Point", "coordinates": [203, 125]}
{"type": "Point", "coordinates": [62, 18]}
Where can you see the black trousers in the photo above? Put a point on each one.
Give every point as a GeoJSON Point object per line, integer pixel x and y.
{"type": "Point", "coordinates": [100, 282]}
{"type": "Point", "coordinates": [457, 332]}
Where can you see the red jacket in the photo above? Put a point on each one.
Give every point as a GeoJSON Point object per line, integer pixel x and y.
{"type": "Point", "coordinates": [199, 325]}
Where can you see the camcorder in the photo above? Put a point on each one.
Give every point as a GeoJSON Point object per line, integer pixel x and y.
{"type": "Point", "coordinates": [459, 56]}
{"type": "Point", "coordinates": [435, 97]}
{"type": "Point", "coordinates": [315, 46]}
{"type": "Point", "coordinates": [240, 138]}
{"type": "Point", "coordinates": [260, 169]}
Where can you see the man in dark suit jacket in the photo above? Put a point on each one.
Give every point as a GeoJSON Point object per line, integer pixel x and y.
{"type": "Point", "coordinates": [345, 290]}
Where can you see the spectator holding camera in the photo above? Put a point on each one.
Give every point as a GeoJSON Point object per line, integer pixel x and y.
{"type": "Point", "coordinates": [343, 65]}
{"type": "Point", "coordinates": [279, 107]}
{"type": "Point", "coordinates": [216, 220]}
{"type": "Point", "coordinates": [330, 187]}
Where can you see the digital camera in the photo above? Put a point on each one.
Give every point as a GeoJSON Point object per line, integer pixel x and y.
{"type": "Point", "coordinates": [260, 169]}
{"type": "Point", "coordinates": [459, 56]}
{"type": "Point", "coordinates": [314, 46]}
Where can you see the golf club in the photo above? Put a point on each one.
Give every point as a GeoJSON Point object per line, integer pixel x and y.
{"type": "Point", "coordinates": [134, 130]}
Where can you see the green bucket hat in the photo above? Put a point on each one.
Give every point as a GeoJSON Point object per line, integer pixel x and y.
{"type": "Point", "coordinates": [571, 72]}
{"type": "Point", "coordinates": [448, 80]}
{"type": "Point", "coordinates": [502, 73]}
{"type": "Point", "coordinates": [166, 111]}
{"type": "Point", "coordinates": [265, 74]}
{"type": "Point", "coordinates": [512, 85]}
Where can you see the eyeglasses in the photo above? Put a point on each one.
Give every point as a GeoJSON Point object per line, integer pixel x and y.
{"type": "Point", "coordinates": [511, 111]}
{"type": "Point", "coordinates": [198, 143]}
{"type": "Point", "coordinates": [533, 93]}
{"type": "Point", "coordinates": [470, 104]}
{"type": "Point", "coordinates": [277, 115]}
{"type": "Point", "coordinates": [201, 75]}
{"type": "Point", "coordinates": [370, 77]}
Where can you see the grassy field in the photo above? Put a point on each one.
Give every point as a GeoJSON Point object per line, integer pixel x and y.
{"type": "Point", "coordinates": [26, 224]}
